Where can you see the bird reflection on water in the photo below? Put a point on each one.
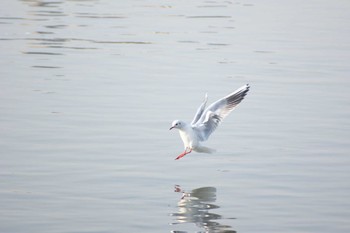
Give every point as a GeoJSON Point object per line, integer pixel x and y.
{"type": "Point", "coordinates": [195, 206]}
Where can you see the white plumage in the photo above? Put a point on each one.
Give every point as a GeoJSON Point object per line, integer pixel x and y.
{"type": "Point", "coordinates": [206, 120]}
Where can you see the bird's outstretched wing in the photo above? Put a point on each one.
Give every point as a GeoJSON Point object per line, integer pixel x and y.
{"type": "Point", "coordinates": [216, 112]}
{"type": "Point", "coordinates": [200, 110]}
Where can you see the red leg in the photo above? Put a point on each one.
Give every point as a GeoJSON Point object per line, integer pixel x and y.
{"type": "Point", "coordinates": [183, 154]}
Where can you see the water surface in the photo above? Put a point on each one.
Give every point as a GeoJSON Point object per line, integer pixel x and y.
{"type": "Point", "coordinates": [89, 89]}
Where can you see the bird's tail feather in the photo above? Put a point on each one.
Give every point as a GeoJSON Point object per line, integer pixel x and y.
{"type": "Point", "coordinates": [204, 149]}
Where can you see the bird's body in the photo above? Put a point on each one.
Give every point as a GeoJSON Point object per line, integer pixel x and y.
{"type": "Point", "coordinates": [187, 136]}
{"type": "Point", "coordinates": [206, 121]}
{"type": "Point", "coordinates": [191, 140]}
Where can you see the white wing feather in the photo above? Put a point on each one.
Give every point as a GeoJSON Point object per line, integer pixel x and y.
{"type": "Point", "coordinates": [211, 117]}
{"type": "Point", "coordinates": [200, 110]}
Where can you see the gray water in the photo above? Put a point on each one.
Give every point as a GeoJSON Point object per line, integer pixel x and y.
{"type": "Point", "coordinates": [89, 90]}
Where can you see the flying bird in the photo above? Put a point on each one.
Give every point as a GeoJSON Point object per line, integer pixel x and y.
{"type": "Point", "coordinates": [206, 121]}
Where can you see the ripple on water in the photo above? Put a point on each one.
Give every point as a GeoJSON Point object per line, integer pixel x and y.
{"type": "Point", "coordinates": [196, 207]}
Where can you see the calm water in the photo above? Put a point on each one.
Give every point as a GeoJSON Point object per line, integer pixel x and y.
{"type": "Point", "coordinates": [89, 89]}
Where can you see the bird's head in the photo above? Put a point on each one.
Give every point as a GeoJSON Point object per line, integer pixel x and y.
{"type": "Point", "coordinates": [177, 124]}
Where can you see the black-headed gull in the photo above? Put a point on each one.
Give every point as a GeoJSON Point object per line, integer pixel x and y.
{"type": "Point", "coordinates": [206, 121]}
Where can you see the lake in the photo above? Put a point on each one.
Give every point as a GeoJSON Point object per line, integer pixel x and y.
{"type": "Point", "coordinates": [89, 90]}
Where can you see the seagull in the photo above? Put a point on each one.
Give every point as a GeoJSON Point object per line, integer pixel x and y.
{"type": "Point", "coordinates": [206, 120]}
